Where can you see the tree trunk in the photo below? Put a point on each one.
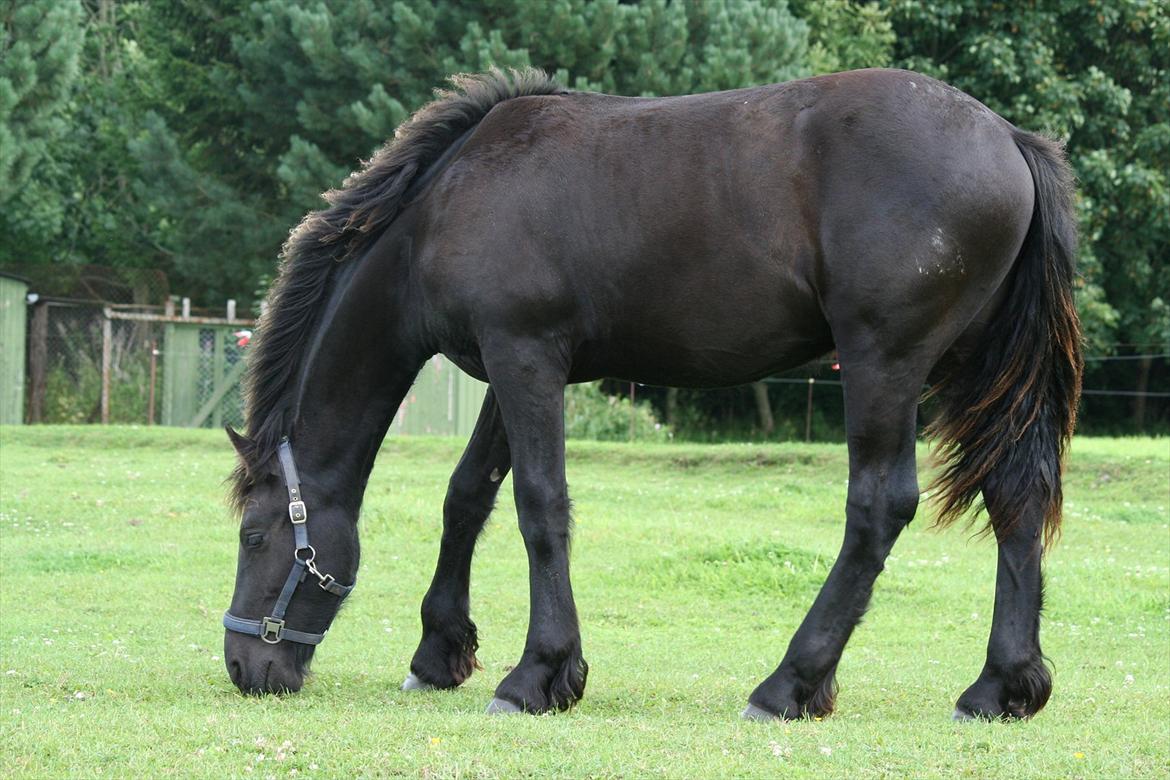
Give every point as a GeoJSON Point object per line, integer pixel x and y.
{"type": "Point", "coordinates": [764, 408]}
{"type": "Point", "coordinates": [671, 406]}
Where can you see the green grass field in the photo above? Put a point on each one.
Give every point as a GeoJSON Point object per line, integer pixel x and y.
{"type": "Point", "coordinates": [692, 566]}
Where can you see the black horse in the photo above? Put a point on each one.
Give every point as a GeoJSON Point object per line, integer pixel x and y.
{"type": "Point", "coordinates": [539, 237]}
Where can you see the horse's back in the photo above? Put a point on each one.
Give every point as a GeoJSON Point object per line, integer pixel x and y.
{"type": "Point", "coordinates": [724, 233]}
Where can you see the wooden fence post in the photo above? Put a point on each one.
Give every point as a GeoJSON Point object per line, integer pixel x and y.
{"type": "Point", "coordinates": [153, 380]}
{"type": "Point", "coordinates": [107, 357]}
{"type": "Point", "coordinates": [633, 414]}
{"type": "Point", "coordinates": [808, 411]}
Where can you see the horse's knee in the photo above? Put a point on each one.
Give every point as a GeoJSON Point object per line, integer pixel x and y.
{"type": "Point", "coordinates": [902, 498]}
{"type": "Point", "coordinates": [538, 499]}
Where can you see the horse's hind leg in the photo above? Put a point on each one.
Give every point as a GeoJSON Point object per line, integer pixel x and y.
{"type": "Point", "coordinates": [529, 378]}
{"type": "Point", "coordinates": [446, 654]}
{"type": "Point", "coordinates": [1014, 683]}
{"type": "Point", "coordinates": [881, 401]}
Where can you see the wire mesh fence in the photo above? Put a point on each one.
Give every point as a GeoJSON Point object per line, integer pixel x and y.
{"type": "Point", "coordinates": [91, 363]}
{"type": "Point", "coordinates": [67, 346]}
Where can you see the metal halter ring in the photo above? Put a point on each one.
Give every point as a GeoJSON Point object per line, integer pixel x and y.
{"type": "Point", "coordinates": [307, 561]}
{"type": "Point", "coordinates": [271, 626]}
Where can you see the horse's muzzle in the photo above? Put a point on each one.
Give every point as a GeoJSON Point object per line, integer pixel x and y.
{"type": "Point", "coordinates": [257, 668]}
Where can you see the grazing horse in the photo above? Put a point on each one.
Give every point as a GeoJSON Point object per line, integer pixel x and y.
{"type": "Point", "coordinates": [538, 237]}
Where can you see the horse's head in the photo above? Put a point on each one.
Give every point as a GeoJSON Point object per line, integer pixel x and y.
{"type": "Point", "coordinates": [297, 561]}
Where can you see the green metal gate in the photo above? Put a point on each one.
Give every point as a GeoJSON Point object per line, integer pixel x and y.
{"type": "Point", "coordinates": [202, 367]}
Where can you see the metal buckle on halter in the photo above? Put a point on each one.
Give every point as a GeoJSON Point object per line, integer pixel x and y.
{"type": "Point", "coordinates": [326, 581]}
{"type": "Point", "coordinates": [297, 512]}
{"type": "Point", "coordinates": [271, 626]}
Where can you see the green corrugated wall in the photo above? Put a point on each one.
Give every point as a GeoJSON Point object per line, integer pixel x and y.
{"type": "Point", "coordinates": [444, 401]}
{"type": "Point", "coordinates": [13, 317]}
{"type": "Point", "coordinates": [180, 366]}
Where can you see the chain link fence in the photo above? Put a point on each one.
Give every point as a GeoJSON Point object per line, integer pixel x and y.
{"type": "Point", "coordinates": [112, 345]}
{"type": "Point", "coordinates": [90, 363]}
{"type": "Point", "coordinates": [65, 377]}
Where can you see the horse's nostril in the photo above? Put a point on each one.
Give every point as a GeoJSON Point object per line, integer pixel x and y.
{"type": "Point", "coordinates": [236, 672]}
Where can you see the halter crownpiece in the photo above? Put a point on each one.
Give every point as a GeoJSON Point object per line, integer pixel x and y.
{"type": "Point", "coordinates": [271, 628]}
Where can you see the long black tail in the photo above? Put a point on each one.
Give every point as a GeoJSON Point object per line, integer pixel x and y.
{"type": "Point", "coordinates": [1013, 410]}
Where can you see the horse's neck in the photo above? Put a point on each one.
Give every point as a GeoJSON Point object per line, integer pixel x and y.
{"type": "Point", "coordinates": [360, 365]}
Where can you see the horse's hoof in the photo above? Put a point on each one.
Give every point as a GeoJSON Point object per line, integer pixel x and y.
{"type": "Point", "coordinates": [752, 712]}
{"type": "Point", "coordinates": [501, 707]}
{"type": "Point", "coordinates": [964, 715]}
{"type": "Point", "coordinates": [412, 683]}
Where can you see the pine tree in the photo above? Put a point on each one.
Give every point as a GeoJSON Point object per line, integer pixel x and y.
{"type": "Point", "coordinates": [39, 61]}
{"type": "Point", "coordinates": [297, 93]}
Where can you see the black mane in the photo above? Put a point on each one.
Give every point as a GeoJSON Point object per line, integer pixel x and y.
{"type": "Point", "coordinates": [358, 213]}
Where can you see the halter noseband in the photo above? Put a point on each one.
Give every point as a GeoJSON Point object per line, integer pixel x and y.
{"type": "Point", "coordinates": [271, 629]}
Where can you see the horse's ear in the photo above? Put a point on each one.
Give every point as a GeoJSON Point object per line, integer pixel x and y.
{"type": "Point", "coordinates": [249, 457]}
{"type": "Point", "coordinates": [244, 446]}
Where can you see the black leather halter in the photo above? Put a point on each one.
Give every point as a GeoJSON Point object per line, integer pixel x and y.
{"type": "Point", "coordinates": [271, 629]}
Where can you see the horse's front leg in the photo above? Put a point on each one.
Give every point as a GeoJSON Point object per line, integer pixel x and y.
{"type": "Point", "coordinates": [880, 413]}
{"type": "Point", "coordinates": [529, 379]}
{"type": "Point", "coordinates": [446, 654]}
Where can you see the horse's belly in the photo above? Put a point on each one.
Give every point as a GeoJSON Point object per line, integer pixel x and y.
{"type": "Point", "coordinates": [721, 338]}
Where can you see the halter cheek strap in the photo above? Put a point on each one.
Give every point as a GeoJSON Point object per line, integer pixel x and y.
{"type": "Point", "coordinates": [271, 628]}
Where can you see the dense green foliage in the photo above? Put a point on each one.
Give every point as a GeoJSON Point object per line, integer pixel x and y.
{"type": "Point", "coordinates": [39, 61]}
{"type": "Point", "coordinates": [692, 565]}
{"type": "Point", "coordinates": [190, 135]}
{"type": "Point", "coordinates": [591, 414]}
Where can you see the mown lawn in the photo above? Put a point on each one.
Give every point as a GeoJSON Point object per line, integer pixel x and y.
{"type": "Point", "coordinates": [692, 566]}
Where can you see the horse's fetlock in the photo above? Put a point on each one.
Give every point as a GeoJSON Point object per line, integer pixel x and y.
{"type": "Point", "coordinates": [439, 611]}
{"type": "Point", "coordinates": [1008, 658]}
{"type": "Point", "coordinates": [1008, 688]}
{"type": "Point", "coordinates": [547, 679]}
{"type": "Point", "coordinates": [553, 653]}
{"type": "Point", "coordinates": [1013, 667]}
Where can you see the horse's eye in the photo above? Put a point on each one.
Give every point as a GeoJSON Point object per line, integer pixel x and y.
{"type": "Point", "coordinates": [254, 540]}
